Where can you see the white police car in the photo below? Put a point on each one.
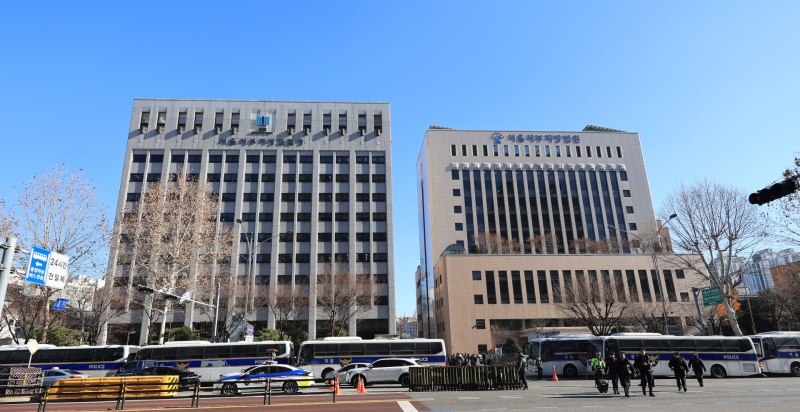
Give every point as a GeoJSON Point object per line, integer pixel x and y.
{"type": "Point", "coordinates": [255, 377]}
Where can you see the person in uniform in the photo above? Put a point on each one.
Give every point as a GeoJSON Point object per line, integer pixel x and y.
{"type": "Point", "coordinates": [698, 367]}
{"type": "Point", "coordinates": [598, 364]}
{"type": "Point", "coordinates": [623, 370]}
{"type": "Point", "coordinates": [539, 368]}
{"type": "Point", "coordinates": [522, 369]}
{"type": "Point", "coordinates": [612, 373]}
{"type": "Point", "coordinates": [680, 368]}
{"type": "Point", "coordinates": [645, 367]}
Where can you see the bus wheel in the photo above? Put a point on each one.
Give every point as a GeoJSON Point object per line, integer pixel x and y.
{"type": "Point", "coordinates": [290, 387]}
{"type": "Point", "coordinates": [795, 369]}
{"type": "Point", "coordinates": [718, 371]}
{"type": "Point", "coordinates": [326, 371]}
{"type": "Point", "coordinates": [570, 371]}
{"type": "Point", "coordinates": [229, 389]}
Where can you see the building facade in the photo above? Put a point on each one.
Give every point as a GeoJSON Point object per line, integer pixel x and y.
{"type": "Point", "coordinates": [556, 198]}
{"type": "Point", "coordinates": [319, 169]}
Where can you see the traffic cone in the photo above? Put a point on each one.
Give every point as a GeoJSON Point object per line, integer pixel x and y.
{"type": "Point", "coordinates": [587, 372]}
{"type": "Point", "coordinates": [336, 386]}
{"type": "Point", "coordinates": [360, 387]}
{"type": "Point", "coordinates": [332, 384]}
{"type": "Point", "coordinates": [555, 376]}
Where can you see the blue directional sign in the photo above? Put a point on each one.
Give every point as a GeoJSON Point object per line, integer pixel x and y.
{"type": "Point", "coordinates": [60, 304]}
{"type": "Point", "coordinates": [37, 265]}
{"type": "Point", "coordinates": [249, 329]}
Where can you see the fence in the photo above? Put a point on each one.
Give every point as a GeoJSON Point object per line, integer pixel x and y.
{"type": "Point", "coordinates": [20, 381]}
{"type": "Point", "coordinates": [463, 378]}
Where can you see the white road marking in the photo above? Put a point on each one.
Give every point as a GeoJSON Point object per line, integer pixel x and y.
{"type": "Point", "coordinates": [406, 406]}
{"type": "Point", "coordinates": [512, 397]}
{"type": "Point", "coordinates": [467, 397]}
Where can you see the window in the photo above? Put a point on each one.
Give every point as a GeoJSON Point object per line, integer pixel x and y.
{"type": "Point", "coordinates": [598, 151]}
{"type": "Point", "coordinates": [485, 150]}
{"type": "Point", "coordinates": [362, 160]}
{"type": "Point", "coordinates": [452, 150]}
{"type": "Point", "coordinates": [323, 178]}
{"type": "Point", "coordinates": [577, 151]}
{"type": "Point", "coordinates": [231, 158]}
{"type": "Point", "coordinates": [234, 122]}
{"type": "Point", "coordinates": [342, 178]}
{"type": "Point", "coordinates": [291, 159]}
{"type": "Point", "coordinates": [265, 217]}
{"type": "Point", "coordinates": [268, 177]}
{"type": "Point", "coordinates": [307, 159]}
{"type": "Point", "coordinates": [623, 175]}
{"type": "Point", "coordinates": [679, 274]}
{"type": "Point", "coordinates": [476, 275]}
{"type": "Point", "coordinates": [380, 257]}
{"type": "Point", "coordinates": [269, 158]}
{"type": "Point", "coordinates": [619, 151]}
{"type": "Point", "coordinates": [154, 177]}
{"type": "Point", "coordinates": [264, 236]}
{"type": "Point", "coordinates": [362, 217]}
{"type": "Point", "coordinates": [326, 197]}
{"type": "Point", "coordinates": [195, 158]}
{"type": "Point", "coordinates": [588, 151]}
{"type": "Point", "coordinates": [362, 257]}
{"type": "Point", "coordinates": [250, 197]}
{"type": "Point", "coordinates": [527, 151]}
{"type": "Point", "coordinates": [684, 296]}
{"type": "Point", "coordinates": [362, 124]}
{"type": "Point", "coordinates": [495, 150]}
{"type": "Point", "coordinates": [178, 158]}
{"type": "Point", "coordinates": [459, 227]}
{"type": "Point", "coordinates": [463, 150]}
{"type": "Point", "coordinates": [251, 177]}
{"type": "Point", "coordinates": [133, 197]}
{"type": "Point", "coordinates": [379, 217]}
{"type": "Point", "coordinates": [536, 151]}
{"type": "Point", "coordinates": [474, 150]}
{"type": "Point", "coordinates": [456, 209]}
{"type": "Point", "coordinates": [287, 197]}
{"type": "Point", "coordinates": [285, 258]}
{"type": "Point", "coordinates": [326, 159]}
{"type": "Point", "coordinates": [558, 151]}
{"type": "Point", "coordinates": [229, 177]}
{"type": "Point", "coordinates": [547, 151]}
{"type": "Point", "coordinates": [628, 209]}
{"type": "Point", "coordinates": [345, 159]}
{"type": "Point", "coordinates": [608, 151]}
{"type": "Point", "coordinates": [362, 237]}
{"type": "Point", "coordinates": [478, 299]}
{"type": "Point", "coordinates": [136, 177]}
{"type": "Point", "coordinates": [378, 160]}
{"type": "Point", "coordinates": [304, 217]}
{"type": "Point", "coordinates": [379, 197]}
{"type": "Point", "coordinates": [323, 237]}
{"type": "Point", "coordinates": [304, 197]}
{"type": "Point", "coordinates": [305, 178]}
{"type": "Point", "coordinates": [342, 217]}
{"type": "Point", "coordinates": [214, 158]}
{"type": "Point", "coordinates": [626, 193]}
{"type": "Point", "coordinates": [362, 178]}
{"type": "Point", "coordinates": [378, 178]}
{"type": "Point", "coordinates": [456, 192]}
{"type": "Point", "coordinates": [377, 123]}
{"type": "Point", "coordinates": [379, 236]}
{"type": "Point", "coordinates": [324, 217]}
{"type": "Point", "coordinates": [248, 217]}
{"type": "Point", "coordinates": [229, 197]}
{"type": "Point", "coordinates": [302, 258]}
{"type": "Point", "coordinates": [516, 150]}
{"type": "Point", "coordinates": [454, 174]}
{"type": "Point", "coordinates": [226, 217]}
{"type": "Point", "coordinates": [342, 257]}
{"type": "Point", "coordinates": [323, 258]}
{"type": "Point", "coordinates": [287, 217]}
{"type": "Point", "coordinates": [288, 177]}
{"type": "Point", "coordinates": [268, 197]}
{"type": "Point", "coordinates": [505, 150]}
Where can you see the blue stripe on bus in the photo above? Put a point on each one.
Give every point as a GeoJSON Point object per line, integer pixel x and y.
{"type": "Point", "coordinates": [787, 355]}
{"type": "Point", "coordinates": [362, 359]}
{"type": "Point", "coordinates": [73, 366]}
{"type": "Point", "coordinates": [667, 356]}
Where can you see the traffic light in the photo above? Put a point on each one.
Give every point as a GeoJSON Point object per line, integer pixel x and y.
{"type": "Point", "coordinates": [169, 296]}
{"type": "Point", "coordinates": [774, 192]}
{"type": "Point", "coordinates": [145, 289]}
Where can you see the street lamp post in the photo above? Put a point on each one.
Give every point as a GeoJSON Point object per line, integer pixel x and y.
{"type": "Point", "coordinates": [655, 266]}
{"type": "Point", "coordinates": [252, 248]}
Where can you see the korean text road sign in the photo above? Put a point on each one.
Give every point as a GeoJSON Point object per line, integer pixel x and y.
{"type": "Point", "coordinates": [60, 304]}
{"type": "Point", "coordinates": [712, 296]}
{"type": "Point", "coordinates": [57, 271]}
{"type": "Point", "coordinates": [37, 266]}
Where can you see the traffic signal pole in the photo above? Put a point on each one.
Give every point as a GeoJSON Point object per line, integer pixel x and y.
{"type": "Point", "coordinates": [775, 191]}
{"type": "Point", "coordinates": [9, 247]}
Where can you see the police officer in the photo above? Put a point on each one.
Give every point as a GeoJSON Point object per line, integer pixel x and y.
{"type": "Point", "coordinates": [598, 364]}
{"type": "Point", "coordinates": [678, 365]}
{"type": "Point", "coordinates": [645, 367]}
{"type": "Point", "coordinates": [623, 369]}
{"type": "Point", "coordinates": [522, 369]}
{"type": "Point", "coordinates": [612, 373]}
{"type": "Point", "coordinates": [539, 368]}
{"type": "Point", "coordinates": [698, 367]}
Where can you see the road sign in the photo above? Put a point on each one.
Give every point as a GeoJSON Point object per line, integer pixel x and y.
{"type": "Point", "coordinates": [57, 271]}
{"type": "Point", "coordinates": [60, 304]}
{"type": "Point", "coordinates": [248, 338]}
{"type": "Point", "coordinates": [249, 330]}
{"type": "Point", "coordinates": [33, 346]}
{"type": "Point", "coordinates": [37, 266]}
{"type": "Point", "coordinates": [712, 296]}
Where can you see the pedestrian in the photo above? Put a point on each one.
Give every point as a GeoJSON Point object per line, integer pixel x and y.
{"type": "Point", "coordinates": [679, 366]}
{"type": "Point", "coordinates": [624, 371]}
{"type": "Point", "coordinates": [539, 368]}
{"type": "Point", "coordinates": [612, 373]}
{"type": "Point", "coordinates": [522, 370]}
{"type": "Point", "coordinates": [698, 367]}
{"type": "Point", "coordinates": [473, 360]}
{"type": "Point", "coordinates": [598, 364]}
{"type": "Point", "coordinates": [645, 366]}
{"type": "Point", "coordinates": [490, 364]}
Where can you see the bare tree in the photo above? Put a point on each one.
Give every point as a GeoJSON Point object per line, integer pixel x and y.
{"type": "Point", "coordinates": [500, 332]}
{"type": "Point", "coordinates": [599, 310]}
{"type": "Point", "coordinates": [8, 223]}
{"type": "Point", "coordinates": [95, 307]}
{"type": "Point", "coordinates": [715, 223]}
{"type": "Point", "coordinates": [343, 297]}
{"type": "Point", "coordinates": [60, 212]}
{"type": "Point", "coordinates": [287, 303]}
{"type": "Point", "coordinates": [175, 240]}
{"type": "Point", "coordinates": [547, 243]}
{"type": "Point", "coordinates": [494, 244]}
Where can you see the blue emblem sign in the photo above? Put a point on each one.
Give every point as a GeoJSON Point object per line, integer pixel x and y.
{"type": "Point", "coordinates": [249, 329]}
{"type": "Point", "coordinates": [60, 304]}
{"type": "Point", "coordinates": [37, 265]}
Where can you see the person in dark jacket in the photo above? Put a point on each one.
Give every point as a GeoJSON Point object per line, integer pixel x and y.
{"type": "Point", "coordinates": [522, 369]}
{"type": "Point", "coordinates": [680, 368]}
{"type": "Point", "coordinates": [698, 367]}
{"type": "Point", "coordinates": [611, 371]}
{"type": "Point", "coordinates": [539, 368]}
{"type": "Point", "coordinates": [645, 366]}
{"type": "Point", "coordinates": [623, 370]}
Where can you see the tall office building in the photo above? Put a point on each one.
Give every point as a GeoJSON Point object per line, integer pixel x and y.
{"type": "Point", "coordinates": [319, 169]}
{"type": "Point", "coordinates": [517, 216]}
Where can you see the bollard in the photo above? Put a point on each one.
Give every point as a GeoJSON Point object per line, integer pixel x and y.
{"type": "Point", "coordinates": [266, 388]}
{"type": "Point", "coordinates": [269, 391]}
{"type": "Point", "coordinates": [196, 395]}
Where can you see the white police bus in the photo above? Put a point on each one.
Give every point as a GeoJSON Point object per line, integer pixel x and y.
{"type": "Point", "coordinates": [96, 361]}
{"type": "Point", "coordinates": [212, 360]}
{"type": "Point", "coordinates": [722, 355]}
{"type": "Point", "coordinates": [778, 352]}
{"type": "Point", "coordinates": [567, 353]}
{"type": "Point", "coordinates": [329, 354]}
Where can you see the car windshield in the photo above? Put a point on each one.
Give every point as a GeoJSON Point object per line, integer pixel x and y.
{"type": "Point", "coordinates": [72, 372]}
{"type": "Point", "coordinates": [130, 365]}
{"type": "Point", "coordinates": [245, 370]}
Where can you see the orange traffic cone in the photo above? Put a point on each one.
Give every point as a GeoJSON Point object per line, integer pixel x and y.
{"type": "Point", "coordinates": [555, 376]}
{"type": "Point", "coordinates": [360, 387]}
{"type": "Point", "coordinates": [332, 384]}
{"type": "Point", "coordinates": [336, 387]}
{"type": "Point", "coordinates": [587, 372]}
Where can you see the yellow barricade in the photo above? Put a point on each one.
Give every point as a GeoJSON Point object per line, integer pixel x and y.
{"type": "Point", "coordinates": [109, 388]}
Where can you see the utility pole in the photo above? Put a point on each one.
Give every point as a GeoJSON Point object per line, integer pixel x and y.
{"type": "Point", "coordinates": [216, 316]}
{"type": "Point", "coordinates": [9, 248]}
{"type": "Point", "coordinates": [699, 313]}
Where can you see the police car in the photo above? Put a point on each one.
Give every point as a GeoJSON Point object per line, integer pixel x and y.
{"type": "Point", "coordinates": [255, 377]}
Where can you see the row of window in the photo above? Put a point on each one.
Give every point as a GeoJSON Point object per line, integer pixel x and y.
{"type": "Point", "coordinates": [257, 158]}
{"type": "Point", "coordinates": [286, 197]}
{"type": "Point", "coordinates": [304, 217]}
{"type": "Point", "coordinates": [525, 151]}
{"type": "Point", "coordinates": [265, 177]}
{"type": "Point", "coordinates": [321, 257]}
{"type": "Point", "coordinates": [560, 286]}
{"type": "Point", "coordinates": [321, 237]}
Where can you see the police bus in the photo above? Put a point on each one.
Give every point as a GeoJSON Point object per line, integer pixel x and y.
{"type": "Point", "coordinates": [96, 361]}
{"type": "Point", "coordinates": [778, 352]}
{"type": "Point", "coordinates": [329, 354]}
{"type": "Point", "coordinates": [568, 353]}
{"type": "Point", "coordinates": [211, 360]}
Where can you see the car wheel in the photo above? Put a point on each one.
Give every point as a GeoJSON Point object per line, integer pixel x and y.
{"type": "Point", "coordinates": [718, 371]}
{"type": "Point", "coordinates": [290, 387]}
{"type": "Point", "coordinates": [354, 380]}
{"type": "Point", "coordinates": [404, 381]}
{"type": "Point", "coordinates": [795, 369]}
{"type": "Point", "coordinates": [570, 371]}
{"type": "Point", "coordinates": [229, 389]}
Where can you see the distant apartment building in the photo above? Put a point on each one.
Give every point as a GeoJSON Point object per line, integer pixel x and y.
{"type": "Point", "coordinates": [756, 272]}
{"type": "Point", "coordinates": [319, 169]}
{"type": "Point", "coordinates": [407, 326]}
{"type": "Point", "coordinates": [511, 220]}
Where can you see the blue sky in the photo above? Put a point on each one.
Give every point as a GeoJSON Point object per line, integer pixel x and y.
{"type": "Point", "coordinates": [711, 88]}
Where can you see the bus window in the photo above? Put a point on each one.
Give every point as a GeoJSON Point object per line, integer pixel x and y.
{"type": "Point", "coordinates": [327, 349]}
{"type": "Point", "coordinates": [306, 355]}
{"type": "Point", "coordinates": [216, 352]}
{"type": "Point", "coordinates": [191, 352]}
{"type": "Point", "coordinates": [535, 347]}
{"type": "Point", "coordinates": [656, 345]}
{"type": "Point", "coordinates": [683, 345]}
{"type": "Point", "coordinates": [377, 349]}
{"type": "Point", "coordinates": [709, 345]}
{"type": "Point", "coordinates": [564, 346]}
{"type": "Point", "coordinates": [402, 348]}
{"type": "Point", "coordinates": [629, 345]}
{"type": "Point", "coordinates": [612, 347]}
{"type": "Point", "coordinates": [165, 353]}
{"type": "Point", "coordinates": [770, 351]}
{"type": "Point", "coordinates": [436, 347]}
{"type": "Point", "coordinates": [787, 344]}
{"type": "Point", "coordinates": [19, 356]}
{"type": "Point", "coordinates": [422, 348]}
{"type": "Point", "coordinates": [351, 349]}
{"type": "Point", "coordinates": [547, 351]}
{"type": "Point", "coordinates": [594, 347]}
{"type": "Point", "coordinates": [730, 345]}
{"type": "Point", "coordinates": [758, 349]}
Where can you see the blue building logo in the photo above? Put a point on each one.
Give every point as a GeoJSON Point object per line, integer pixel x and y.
{"type": "Point", "coordinates": [497, 137]}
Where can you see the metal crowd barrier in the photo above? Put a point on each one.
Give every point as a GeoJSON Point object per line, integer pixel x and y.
{"type": "Point", "coordinates": [463, 378]}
